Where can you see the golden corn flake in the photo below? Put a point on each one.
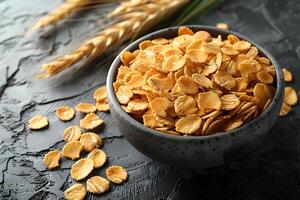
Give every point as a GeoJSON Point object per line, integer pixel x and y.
{"type": "Point", "coordinates": [241, 45]}
{"type": "Point", "coordinates": [158, 83]}
{"type": "Point", "coordinates": [244, 107]}
{"type": "Point", "coordinates": [82, 168]}
{"type": "Point", "coordinates": [116, 85]}
{"type": "Point", "coordinates": [267, 104]}
{"type": "Point", "coordinates": [165, 121]}
{"type": "Point", "coordinates": [288, 77]}
{"type": "Point", "coordinates": [264, 60]}
{"type": "Point", "coordinates": [203, 36]}
{"type": "Point", "coordinates": [196, 44]}
{"type": "Point", "coordinates": [212, 114]}
{"type": "Point", "coordinates": [124, 94]}
{"type": "Point", "coordinates": [196, 84]}
{"type": "Point", "coordinates": [285, 109]}
{"type": "Point", "coordinates": [227, 50]}
{"type": "Point", "coordinates": [145, 44]}
{"type": "Point", "coordinates": [90, 141]}
{"type": "Point", "coordinates": [249, 113]}
{"type": "Point", "coordinates": [241, 84]}
{"type": "Point", "coordinates": [75, 192]}
{"type": "Point", "coordinates": [185, 30]}
{"type": "Point", "coordinates": [159, 106]}
{"type": "Point", "coordinates": [116, 174]}
{"type": "Point", "coordinates": [196, 55]}
{"type": "Point", "coordinates": [189, 70]}
{"type": "Point", "coordinates": [210, 48]}
{"type": "Point", "coordinates": [65, 113]}
{"type": "Point", "coordinates": [232, 39]}
{"type": "Point", "coordinates": [100, 93]}
{"type": "Point", "coordinates": [91, 121]}
{"type": "Point", "coordinates": [51, 159]}
{"type": "Point", "coordinates": [150, 120]}
{"type": "Point", "coordinates": [229, 101]}
{"type": "Point", "coordinates": [219, 59]}
{"type": "Point", "coordinates": [181, 41]}
{"type": "Point", "coordinates": [160, 41]}
{"type": "Point", "coordinates": [224, 79]}
{"type": "Point", "coordinates": [271, 69]}
{"type": "Point", "coordinates": [202, 81]}
{"type": "Point", "coordinates": [97, 185]}
{"type": "Point", "coordinates": [98, 156]}
{"type": "Point", "coordinates": [262, 92]}
{"type": "Point", "coordinates": [264, 77]}
{"type": "Point", "coordinates": [137, 105]}
{"type": "Point", "coordinates": [136, 81]}
{"type": "Point", "coordinates": [174, 63]}
{"type": "Point", "coordinates": [209, 69]}
{"type": "Point", "coordinates": [38, 122]}
{"type": "Point", "coordinates": [172, 52]}
{"type": "Point", "coordinates": [160, 49]}
{"type": "Point", "coordinates": [166, 94]}
{"type": "Point", "coordinates": [72, 150]}
{"type": "Point", "coordinates": [231, 67]}
{"type": "Point", "coordinates": [290, 96]}
{"type": "Point", "coordinates": [247, 69]}
{"type": "Point", "coordinates": [127, 57]}
{"type": "Point", "coordinates": [187, 85]}
{"type": "Point", "coordinates": [72, 133]}
{"type": "Point", "coordinates": [252, 53]}
{"type": "Point", "coordinates": [122, 72]}
{"type": "Point", "coordinates": [185, 105]}
{"type": "Point", "coordinates": [233, 124]}
{"type": "Point", "coordinates": [214, 127]}
{"type": "Point", "coordinates": [102, 106]}
{"type": "Point", "coordinates": [209, 101]}
{"type": "Point", "coordinates": [86, 108]}
{"type": "Point", "coordinates": [206, 124]}
{"type": "Point", "coordinates": [188, 124]}
{"type": "Point", "coordinates": [245, 97]}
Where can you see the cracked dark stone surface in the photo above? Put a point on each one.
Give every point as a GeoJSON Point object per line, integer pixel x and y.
{"type": "Point", "coordinates": [272, 171]}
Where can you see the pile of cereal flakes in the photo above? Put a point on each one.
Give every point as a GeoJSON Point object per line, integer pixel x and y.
{"type": "Point", "coordinates": [193, 84]}
{"type": "Point", "coordinates": [196, 84]}
{"type": "Point", "coordinates": [77, 142]}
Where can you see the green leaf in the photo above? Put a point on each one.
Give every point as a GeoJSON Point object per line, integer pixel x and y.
{"type": "Point", "coordinates": [196, 8]}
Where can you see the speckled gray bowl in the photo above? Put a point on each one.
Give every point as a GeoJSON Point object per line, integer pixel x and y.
{"type": "Point", "coordinates": [194, 152]}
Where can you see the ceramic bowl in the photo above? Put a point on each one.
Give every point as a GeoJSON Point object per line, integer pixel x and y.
{"type": "Point", "coordinates": [194, 152]}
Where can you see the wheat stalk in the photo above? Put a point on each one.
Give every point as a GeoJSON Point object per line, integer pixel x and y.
{"type": "Point", "coordinates": [66, 9]}
{"type": "Point", "coordinates": [133, 15]}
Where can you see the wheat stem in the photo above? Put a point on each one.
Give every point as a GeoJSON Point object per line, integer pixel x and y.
{"type": "Point", "coordinates": [133, 14]}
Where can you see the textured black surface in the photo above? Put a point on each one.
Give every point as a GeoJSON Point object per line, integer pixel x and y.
{"type": "Point", "coordinates": [272, 171]}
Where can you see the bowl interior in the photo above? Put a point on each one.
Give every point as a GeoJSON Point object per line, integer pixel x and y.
{"type": "Point", "coordinates": [170, 33]}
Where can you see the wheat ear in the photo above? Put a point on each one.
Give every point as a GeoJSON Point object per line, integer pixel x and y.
{"type": "Point", "coordinates": [66, 9]}
{"type": "Point", "coordinates": [133, 17]}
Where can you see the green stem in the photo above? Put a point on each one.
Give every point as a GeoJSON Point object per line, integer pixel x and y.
{"type": "Point", "coordinates": [196, 8]}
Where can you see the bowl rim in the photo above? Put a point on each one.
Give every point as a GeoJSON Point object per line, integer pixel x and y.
{"type": "Point", "coordinates": [117, 61]}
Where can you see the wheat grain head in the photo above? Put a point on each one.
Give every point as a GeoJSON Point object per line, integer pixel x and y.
{"type": "Point", "coordinates": [133, 15]}
{"type": "Point", "coordinates": [66, 9]}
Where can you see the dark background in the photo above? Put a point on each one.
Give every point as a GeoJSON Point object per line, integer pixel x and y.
{"type": "Point", "coordinates": [272, 171]}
